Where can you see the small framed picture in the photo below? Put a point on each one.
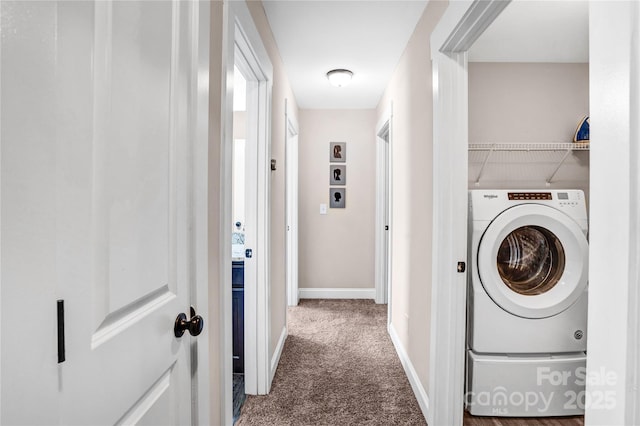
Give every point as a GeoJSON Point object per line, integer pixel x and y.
{"type": "Point", "coordinates": [338, 175]}
{"type": "Point", "coordinates": [337, 198]}
{"type": "Point", "coordinates": [337, 152]}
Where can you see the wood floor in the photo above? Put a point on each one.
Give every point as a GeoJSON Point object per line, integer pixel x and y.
{"type": "Point", "coordinates": [470, 420]}
{"type": "Point", "coordinates": [238, 395]}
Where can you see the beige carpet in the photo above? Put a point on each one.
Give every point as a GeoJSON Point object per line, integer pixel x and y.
{"type": "Point", "coordinates": [338, 367]}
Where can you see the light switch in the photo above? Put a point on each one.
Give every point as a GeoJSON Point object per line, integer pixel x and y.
{"type": "Point", "coordinates": [323, 209]}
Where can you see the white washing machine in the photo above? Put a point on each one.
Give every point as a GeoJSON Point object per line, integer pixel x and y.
{"type": "Point", "coordinates": [527, 303]}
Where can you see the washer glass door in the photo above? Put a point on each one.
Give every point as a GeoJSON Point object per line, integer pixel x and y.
{"type": "Point", "coordinates": [532, 261]}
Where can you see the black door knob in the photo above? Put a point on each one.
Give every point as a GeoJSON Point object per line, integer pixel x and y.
{"type": "Point", "coordinates": [194, 326]}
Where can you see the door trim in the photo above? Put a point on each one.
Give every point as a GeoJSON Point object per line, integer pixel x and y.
{"type": "Point", "coordinates": [613, 346]}
{"type": "Point", "coordinates": [242, 34]}
{"type": "Point", "coordinates": [458, 29]}
{"type": "Point", "coordinates": [200, 384]}
{"type": "Point", "coordinates": [291, 220]}
{"type": "Point", "coordinates": [384, 184]}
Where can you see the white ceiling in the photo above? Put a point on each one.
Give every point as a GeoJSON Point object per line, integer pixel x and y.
{"type": "Point", "coordinates": [369, 36]}
{"type": "Point", "coordinates": [536, 31]}
{"type": "Point", "coordinates": [364, 36]}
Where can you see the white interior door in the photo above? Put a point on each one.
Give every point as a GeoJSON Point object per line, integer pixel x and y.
{"type": "Point", "coordinates": [291, 164]}
{"type": "Point", "coordinates": [97, 195]}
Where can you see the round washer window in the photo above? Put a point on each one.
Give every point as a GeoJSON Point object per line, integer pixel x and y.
{"type": "Point", "coordinates": [531, 260]}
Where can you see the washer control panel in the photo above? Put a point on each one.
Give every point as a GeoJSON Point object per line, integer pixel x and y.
{"type": "Point", "coordinates": [517, 196]}
{"type": "Point", "coordinates": [564, 199]}
{"type": "Point", "coordinates": [486, 204]}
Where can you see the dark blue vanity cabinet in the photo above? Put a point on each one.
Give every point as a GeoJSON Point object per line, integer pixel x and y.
{"type": "Point", "coordinates": [237, 281]}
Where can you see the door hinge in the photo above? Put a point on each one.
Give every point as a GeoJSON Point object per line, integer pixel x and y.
{"type": "Point", "coordinates": [462, 267]}
{"type": "Point", "coordinates": [61, 349]}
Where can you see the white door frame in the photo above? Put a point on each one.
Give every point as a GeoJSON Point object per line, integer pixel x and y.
{"type": "Point", "coordinates": [243, 38]}
{"type": "Point", "coordinates": [614, 258]}
{"type": "Point", "coordinates": [251, 216]}
{"type": "Point", "coordinates": [291, 225]}
{"type": "Point", "coordinates": [459, 27]}
{"type": "Point", "coordinates": [383, 202]}
{"type": "Point", "coordinates": [200, 289]}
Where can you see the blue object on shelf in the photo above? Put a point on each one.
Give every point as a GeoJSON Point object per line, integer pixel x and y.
{"type": "Point", "coordinates": [582, 132]}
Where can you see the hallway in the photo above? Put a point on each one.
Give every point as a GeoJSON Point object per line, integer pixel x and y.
{"type": "Point", "coordinates": [117, 209]}
{"type": "Point", "coordinates": [338, 366]}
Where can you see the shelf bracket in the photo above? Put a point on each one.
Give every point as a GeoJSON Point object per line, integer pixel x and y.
{"type": "Point", "coordinates": [484, 163]}
{"type": "Point", "coordinates": [564, 157]}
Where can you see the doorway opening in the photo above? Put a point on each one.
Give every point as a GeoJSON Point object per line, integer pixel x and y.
{"type": "Point", "coordinates": [458, 30]}
{"type": "Point", "coordinates": [239, 227]}
{"type": "Point", "coordinates": [248, 241]}
{"type": "Point", "coordinates": [383, 211]}
{"type": "Point", "coordinates": [507, 153]}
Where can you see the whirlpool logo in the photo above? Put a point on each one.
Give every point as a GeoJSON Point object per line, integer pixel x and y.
{"type": "Point", "coordinates": [490, 196]}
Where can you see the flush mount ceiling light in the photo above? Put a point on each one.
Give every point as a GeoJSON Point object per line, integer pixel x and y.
{"type": "Point", "coordinates": [339, 77]}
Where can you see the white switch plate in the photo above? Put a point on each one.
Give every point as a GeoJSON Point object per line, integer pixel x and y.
{"type": "Point", "coordinates": [323, 209]}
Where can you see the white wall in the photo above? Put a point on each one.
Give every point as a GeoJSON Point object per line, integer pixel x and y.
{"type": "Point", "coordinates": [281, 91]}
{"type": "Point", "coordinates": [410, 90]}
{"type": "Point", "coordinates": [337, 249]}
{"type": "Point", "coordinates": [527, 103]}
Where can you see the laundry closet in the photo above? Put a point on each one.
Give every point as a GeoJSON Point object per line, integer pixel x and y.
{"type": "Point", "coordinates": [528, 174]}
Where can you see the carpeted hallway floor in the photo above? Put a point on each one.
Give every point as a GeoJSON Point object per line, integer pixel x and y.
{"type": "Point", "coordinates": [338, 367]}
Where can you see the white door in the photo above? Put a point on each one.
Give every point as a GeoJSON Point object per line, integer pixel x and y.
{"type": "Point", "coordinates": [97, 209]}
{"type": "Point", "coordinates": [291, 164]}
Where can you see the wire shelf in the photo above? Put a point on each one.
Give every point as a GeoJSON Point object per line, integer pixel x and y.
{"type": "Point", "coordinates": [581, 146]}
{"type": "Point", "coordinates": [558, 153]}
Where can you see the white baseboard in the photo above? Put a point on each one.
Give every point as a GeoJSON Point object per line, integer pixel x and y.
{"type": "Point", "coordinates": [337, 293]}
{"type": "Point", "coordinates": [412, 375]}
{"type": "Point", "coordinates": [277, 353]}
